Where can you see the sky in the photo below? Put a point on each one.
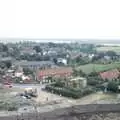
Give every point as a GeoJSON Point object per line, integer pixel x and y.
{"type": "Point", "coordinates": [51, 19]}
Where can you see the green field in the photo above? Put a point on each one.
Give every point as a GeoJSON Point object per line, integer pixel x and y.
{"type": "Point", "coordinates": [109, 48]}
{"type": "Point", "coordinates": [88, 68]}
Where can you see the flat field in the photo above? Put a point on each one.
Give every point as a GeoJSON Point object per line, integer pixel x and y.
{"type": "Point", "coordinates": [88, 68]}
{"type": "Point", "coordinates": [109, 48]}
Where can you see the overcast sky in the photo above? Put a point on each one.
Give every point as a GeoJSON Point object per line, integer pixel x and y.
{"type": "Point", "coordinates": [60, 19]}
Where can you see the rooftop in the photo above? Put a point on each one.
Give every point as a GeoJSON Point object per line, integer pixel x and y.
{"type": "Point", "coordinates": [111, 74]}
{"type": "Point", "coordinates": [55, 71]}
{"type": "Point", "coordinates": [33, 63]}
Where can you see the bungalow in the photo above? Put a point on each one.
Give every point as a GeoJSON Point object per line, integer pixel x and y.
{"type": "Point", "coordinates": [54, 72]}
{"type": "Point", "coordinates": [110, 75]}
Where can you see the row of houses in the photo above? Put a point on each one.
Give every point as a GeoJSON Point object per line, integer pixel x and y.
{"type": "Point", "coordinates": [47, 68]}
{"type": "Point", "coordinates": [35, 64]}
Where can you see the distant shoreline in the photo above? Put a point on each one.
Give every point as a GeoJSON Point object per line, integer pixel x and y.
{"type": "Point", "coordinates": [57, 40]}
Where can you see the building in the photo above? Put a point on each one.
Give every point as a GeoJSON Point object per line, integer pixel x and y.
{"type": "Point", "coordinates": [110, 75]}
{"type": "Point", "coordinates": [35, 64]}
{"type": "Point", "coordinates": [62, 61]}
{"type": "Point", "coordinates": [6, 59]}
{"type": "Point", "coordinates": [78, 82]}
{"type": "Point", "coordinates": [60, 72]}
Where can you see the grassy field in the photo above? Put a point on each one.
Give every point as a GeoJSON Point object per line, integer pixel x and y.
{"type": "Point", "coordinates": [88, 68]}
{"type": "Point", "coordinates": [109, 48]}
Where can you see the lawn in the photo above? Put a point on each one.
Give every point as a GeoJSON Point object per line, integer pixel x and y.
{"type": "Point", "coordinates": [109, 48]}
{"type": "Point", "coordinates": [88, 68]}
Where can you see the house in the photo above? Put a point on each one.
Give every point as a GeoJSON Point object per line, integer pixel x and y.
{"type": "Point", "coordinates": [91, 56]}
{"type": "Point", "coordinates": [78, 82]}
{"type": "Point", "coordinates": [59, 72]}
{"type": "Point", "coordinates": [106, 57]}
{"type": "Point", "coordinates": [5, 59]}
{"type": "Point", "coordinates": [35, 64]}
{"type": "Point", "coordinates": [18, 74]}
{"type": "Point", "coordinates": [62, 60]}
{"type": "Point", "coordinates": [110, 75]}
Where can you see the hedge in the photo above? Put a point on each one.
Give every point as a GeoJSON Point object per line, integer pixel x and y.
{"type": "Point", "coordinates": [68, 92]}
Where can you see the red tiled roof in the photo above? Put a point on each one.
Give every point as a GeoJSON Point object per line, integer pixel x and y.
{"type": "Point", "coordinates": [112, 74]}
{"type": "Point", "coordinates": [55, 71]}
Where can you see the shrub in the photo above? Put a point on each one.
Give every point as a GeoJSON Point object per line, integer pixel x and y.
{"type": "Point", "coordinates": [87, 91]}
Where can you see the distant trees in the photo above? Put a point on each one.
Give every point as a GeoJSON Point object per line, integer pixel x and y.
{"type": "Point", "coordinates": [38, 49]}
{"type": "Point", "coordinates": [87, 48]}
{"type": "Point", "coordinates": [50, 44]}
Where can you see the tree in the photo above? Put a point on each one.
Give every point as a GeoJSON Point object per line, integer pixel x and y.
{"type": "Point", "coordinates": [55, 60]}
{"type": "Point", "coordinates": [75, 72]}
{"type": "Point", "coordinates": [5, 48]}
{"type": "Point", "coordinates": [2, 65]}
{"type": "Point", "coordinates": [8, 64]}
{"type": "Point", "coordinates": [113, 86]}
{"type": "Point", "coordinates": [111, 53]}
{"type": "Point", "coordinates": [81, 73]}
{"type": "Point", "coordinates": [27, 71]}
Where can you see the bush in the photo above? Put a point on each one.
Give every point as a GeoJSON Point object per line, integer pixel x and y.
{"type": "Point", "coordinates": [87, 91]}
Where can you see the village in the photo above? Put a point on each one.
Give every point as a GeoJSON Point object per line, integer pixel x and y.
{"type": "Point", "coordinates": [57, 75]}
